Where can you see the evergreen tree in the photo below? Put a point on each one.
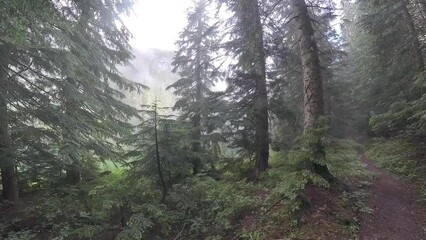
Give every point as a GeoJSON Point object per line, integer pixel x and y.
{"type": "Point", "coordinates": [284, 69]}
{"type": "Point", "coordinates": [160, 146]}
{"type": "Point", "coordinates": [247, 87]}
{"type": "Point", "coordinates": [312, 80]}
{"type": "Point", "coordinates": [389, 60]}
{"type": "Point", "coordinates": [63, 58]}
{"type": "Point", "coordinates": [194, 62]}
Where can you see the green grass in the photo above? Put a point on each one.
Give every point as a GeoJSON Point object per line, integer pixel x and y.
{"type": "Point", "coordinates": [398, 156]}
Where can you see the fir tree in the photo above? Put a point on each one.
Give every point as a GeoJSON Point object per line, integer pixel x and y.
{"type": "Point", "coordinates": [194, 62]}
{"type": "Point", "coordinates": [63, 58]}
{"type": "Point", "coordinates": [312, 82]}
{"type": "Point", "coordinates": [247, 82]}
{"type": "Point", "coordinates": [160, 146]}
{"type": "Point", "coordinates": [390, 63]}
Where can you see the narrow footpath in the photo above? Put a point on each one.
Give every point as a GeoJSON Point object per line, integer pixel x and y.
{"type": "Point", "coordinates": [395, 215]}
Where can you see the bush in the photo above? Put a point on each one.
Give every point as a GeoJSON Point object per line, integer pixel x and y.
{"type": "Point", "coordinates": [206, 207]}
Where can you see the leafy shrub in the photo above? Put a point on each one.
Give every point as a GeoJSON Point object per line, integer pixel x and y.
{"type": "Point", "coordinates": [289, 176]}
{"type": "Point", "coordinates": [137, 201]}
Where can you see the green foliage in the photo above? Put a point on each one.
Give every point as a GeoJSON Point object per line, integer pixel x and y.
{"type": "Point", "coordinates": [398, 155]}
{"type": "Point", "coordinates": [309, 150]}
{"type": "Point", "coordinates": [289, 186]}
{"type": "Point", "coordinates": [386, 53]}
{"type": "Point", "coordinates": [86, 211]}
{"type": "Point", "coordinates": [61, 86]}
{"type": "Point", "coordinates": [388, 59]}
{"type": "Point", "coordinates": [64, 107]}
{"type": "Point", "coordinates": [194, 61]}
{"type": "Point", "coordinates": [160, 148]}
{"type": "Point", "coordinates": [197, 207]}
{"type": "Point", "coordinates": [63, 214]}
{"type": "Point", "coordinates": [287, 181]}
{"type": "Point", "coordinates": [342, 157]}
{"type": "Point", "coordinates": [206, 207]}
{"type": "Point", "coordinates": [22, 235]}
{"type": "Point", "coordinates": [291, 169]}
{"type": "Point", "coordinates": [404, 117]}
{"type": "Point", "coordinates": [254, 235]}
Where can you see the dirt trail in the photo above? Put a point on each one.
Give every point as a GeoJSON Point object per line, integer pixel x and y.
{"type": "Point", "coordinates": [394, 206]}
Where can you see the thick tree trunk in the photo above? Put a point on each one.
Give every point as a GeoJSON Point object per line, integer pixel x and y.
{"type": "Point", "coordinates": [250, 16]}
{"type": "Point", "coordinates": [9, 178]}
{"type": "Point", "coordinates": [312, 82]}
{"type": "Point", "coordinates": [9, 182]}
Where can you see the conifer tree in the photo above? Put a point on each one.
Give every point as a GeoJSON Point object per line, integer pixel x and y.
{"type": "Point", "coordinates": [247, 86]}
{"type": "Point", "coordinates": [388, 50]}
{"type": "Point", "coordinates": [390, 63]}
{"type": "Point", "coordinates": [160, 148]}
{"type": "Point", "coordinates": [194, 62]}
{"type": "Point", "coordinates": [284, 68]}
{"type": "Point", "coordinates": [60, 67]}
{"type": "Point", "coordinates": [312, 81]}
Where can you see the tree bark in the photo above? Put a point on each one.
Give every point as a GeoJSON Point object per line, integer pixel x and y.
{"type": "Point", "coordinates": [253, 35]}
{"type": "Point", "coordinates": [9, 178]}
{"type": "Point", "coordinates": [312, 82]}
{"type": "Point", "coordinates": [157, 156]}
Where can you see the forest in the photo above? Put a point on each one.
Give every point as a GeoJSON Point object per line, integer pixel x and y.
{"type": "Point", "coordinates": [272, 119]}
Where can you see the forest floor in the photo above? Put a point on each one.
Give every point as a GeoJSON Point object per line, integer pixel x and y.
{"type": "Point", "coordinates": [396, 215]}
{"type": "Point", "coordinates": [372, 206]}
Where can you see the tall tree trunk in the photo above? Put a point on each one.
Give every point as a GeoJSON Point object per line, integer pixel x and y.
{"type": "Point", "coordinates": [9, 178]}
{"type": "Point", "coordinates": [312, 82]}
{"type": "Point", "coordinates": [196, 120]}
{"type": "Point", "coordinates": [157, 156]}
{"type": "Point", "coordinates": [73, 171]}
{"type": "Point", "coordinates": [253, 34]}
{"type": "Point", "coordinates": [196, 145]}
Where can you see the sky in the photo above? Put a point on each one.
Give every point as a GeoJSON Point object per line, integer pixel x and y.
{"type": "Point", "coordinates": [157, 23]}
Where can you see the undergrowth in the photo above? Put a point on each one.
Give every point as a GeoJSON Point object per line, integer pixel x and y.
{"type": "Point", "coordinates": [399, 156]}
{"type": "Point", "coordinates": [230, 205]}
{"type": "Point", "coordinates": [283, 215]}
